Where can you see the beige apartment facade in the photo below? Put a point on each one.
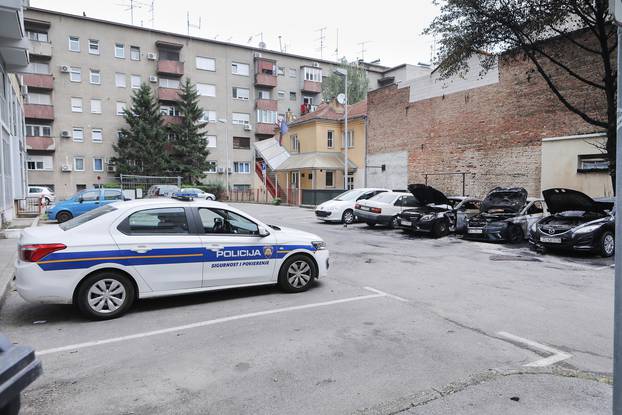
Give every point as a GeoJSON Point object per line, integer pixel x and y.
{"type": "Point", "coordinates": [84, 70]}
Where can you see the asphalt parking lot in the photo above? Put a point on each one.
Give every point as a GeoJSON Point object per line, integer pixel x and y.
{"type": "Point", "coordinates": [402, 324]}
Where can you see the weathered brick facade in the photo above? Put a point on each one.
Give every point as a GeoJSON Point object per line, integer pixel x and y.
{"type": "Point", "coordinates": [493, 133]}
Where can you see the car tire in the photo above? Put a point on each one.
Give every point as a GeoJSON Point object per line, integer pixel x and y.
{"type": "Point", "coordinates": [393, 223]}
{"type": "Point", "coordinates": [297, 274]}
{"type": "Point", "coordinates": [105, 286]}
{"type": "Point", "coordinates": [606, 244]}
{"type": "Point", "coordinates": [210, 198]}
{"type": "Point", "coordinates": [63, 216]}
{"type": "Point", "coordinates": [347, 217]}
{"type": "Point", "coordinates": [440, 229]}
{"type": "Point", "coordinates": [515, 234]}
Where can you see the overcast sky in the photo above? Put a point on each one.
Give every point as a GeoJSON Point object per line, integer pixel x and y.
{"type": "Point", "coordinates": [391, 28]}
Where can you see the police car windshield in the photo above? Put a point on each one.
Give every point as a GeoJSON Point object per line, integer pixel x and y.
{"type": "Point", "coordinates": [349, 195]}
{"type": "Point", "coordinates": [88, 216]}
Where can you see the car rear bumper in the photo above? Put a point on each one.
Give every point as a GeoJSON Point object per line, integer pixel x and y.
{"type": "Point", "coordinates": [374, 218]}
{"type": "Point", "coordinates": [46, 287]}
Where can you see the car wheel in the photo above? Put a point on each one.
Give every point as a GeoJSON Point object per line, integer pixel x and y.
{"type": "Point", "coordinates": [105, 295]}
{"type": "Point", "coordinates": [63, 216]}
{"type": "Point", "coordinates": [347, 217]}
{"type": "Point", "coordinates": [607, 244]}
{"type": "Point", "coordinates": [515, 234]}
{"type": "Point", "coordinates": [297, 274]}
{"type": "Point", "coordinates": [393, 224]}
{"type": "Point", "coordinates": [440, 229]}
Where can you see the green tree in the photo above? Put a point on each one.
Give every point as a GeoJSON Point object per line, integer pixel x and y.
{"type": "Point", "coordinates": [188, 150]}
{"type": "Point", "coordinates": [333, 84]}
{"type": "Point", "coordinates": [535, 29]}
{"type": "Point", "coordinates": [142, 144]}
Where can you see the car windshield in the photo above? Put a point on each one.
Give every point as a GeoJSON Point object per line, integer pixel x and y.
{"type": "Point", "coordinates": [88, 216]}
{"type": "Point", "coordinates": [349, 195]}
{"type": "Point", "coordinates": [385, 197]}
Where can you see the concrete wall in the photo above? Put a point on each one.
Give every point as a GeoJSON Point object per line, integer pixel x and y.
{"type": "Point", "coordinates": [395, 175]}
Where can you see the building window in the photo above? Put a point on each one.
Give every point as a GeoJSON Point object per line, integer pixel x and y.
{"type": "Point", "coordinates": [241, 93]}
{"type": "Point", "coordinates": [75, 74]}
{"type": "Point", "coordinates": [593, 163]}
{"type": "Point", "coordinates": [263, 94]}
{"type": "Point", "coordinates": [211, 141]}
{"type": "Point", "coordinates": [350, 139]}
{"type": "Point", "coordinates": [78, 163]}
{"type": "Point", "coordinates": [313, 74]}
{"type": "Point", "coordinates": [240, 118]}
{"type": "Point", "coordinates": [329, 139]}
{"type": "Point", "coordinates": [134, 53]}
{"type": "Point", "coordinates": [209, 116]}
{"type": "Point", "coordinates": [97, 135]}
{"type": "Point", "coordinates": [350, 182]}
{"type": "Point", "coordinates": [119, 80]}
{"type": "Point", "coordinates": [98, 164]}
{"type": "Point", "coordinates": [120, 134]}
{"type": "Point", "coordinates": [169, 110]}
{"type": "Point", "coordinates": [240, 69]}
{"type": "Point", "coordinates": [266, 116]}
{"type": "Point", "coordinates": [295, 143]}
{"type": "Point", "coordinates": [281, 94]}
{"type": "Point", "coordinates": [206, 64]}
{"type": "Point", "coordinates": [34, 130]}
{"type": "Point", "coordinates": [38, 98]}
{"type": "Point", "coordinates": [330, 178]}
{"type": "Point", "coordinates": [94, 47]}
{"type": "Point", "coordinates": [96, 77]}
{"type": "Point", "coordinates": [74, 43]}
{"type": "Point", "coordinates": [39, 162]}
{"type": "Point", "coordinates": [241, 143]}
{"type": "Point", "coordinates": [120, 108]}
{"type": "Point", "coordinates": [212, 166]}
{"type": "Point", "coordinates": [292, 96]}
{"type": "Point", "coordinates": [76, 104]}
{"type": "Point", "coordinates": [38, 67]}
{"type": "Point", "coordinates": [280, 71]}
{"type": "Point", "coordinates": [135, 81]}
{"type": "Point", "coordinates": [37, 36]}
{"type": "Point", "coordinates": [241, 167]}
{"type": "Point", "coordinates": [119, 50]}
{"type": "Point", "coordinates": [96, 106]}
{"type": "Point", "coordinates": [169, 83]}
{"type": "Point", "coordinates": [293, 73]}
{"type": "Point", "coordinates": [78, 134]}
{"type": "Point", "coordinates": [206, 90]}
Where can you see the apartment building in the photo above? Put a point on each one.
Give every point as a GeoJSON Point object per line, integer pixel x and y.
{"type": "Point", "coordinates": [13, 57]}
{"type": "Point", "coordinates": [83, 72]}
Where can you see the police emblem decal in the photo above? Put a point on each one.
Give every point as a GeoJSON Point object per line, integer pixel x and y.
{"type": "Point", "coordinates": [267, 251]}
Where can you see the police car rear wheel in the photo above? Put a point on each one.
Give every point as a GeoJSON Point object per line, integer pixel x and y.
{"type": "Point", "coordinates": [297, 274]}
{"type": "Point", "coordinates": [105, 295]}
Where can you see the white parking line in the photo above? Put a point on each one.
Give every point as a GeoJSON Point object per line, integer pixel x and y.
{"type": "Point", "coordinates": [557, 355]}
{"type": "Point", "coordinates": [395, 297]}
{"type": "Point", "coordinates": [94, 343]}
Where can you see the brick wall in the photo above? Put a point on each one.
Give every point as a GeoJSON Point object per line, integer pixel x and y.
{"type": "Point", "coordinates": [493, 133]}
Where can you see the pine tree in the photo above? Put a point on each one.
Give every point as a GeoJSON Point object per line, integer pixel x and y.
{"type": "Point", "coordinates": [141, 148]}
{"type": "Point", "coordinates": [333, 85]}
{"type": "Point", "coordinates": [188, 152]}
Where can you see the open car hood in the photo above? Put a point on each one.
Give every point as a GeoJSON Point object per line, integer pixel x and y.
{"type": "Point", "coordinates": [564, 200]}
{"type": "Point", "coordinates": [511, 200]}
{"type": "Point", "coordinates": [427, 194]}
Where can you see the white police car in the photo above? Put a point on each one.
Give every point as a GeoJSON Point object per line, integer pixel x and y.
{"type": "Point", "coordinates": [105, 259]}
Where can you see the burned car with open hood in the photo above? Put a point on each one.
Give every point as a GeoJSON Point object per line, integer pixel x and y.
{"type": "Point", "coordinates": [506, 214]}
{"type": "Point", "coordinates": [577, 223]}
{"type": "Point", "coordinates": [438, 214]}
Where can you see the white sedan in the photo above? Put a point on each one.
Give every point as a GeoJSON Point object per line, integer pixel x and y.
{"type": "Point", "coordinates": [384, 208]}
{"type": "Point", "coordinates": [341, 208]}
{"type": "Point", "coordinates": [105, 259]}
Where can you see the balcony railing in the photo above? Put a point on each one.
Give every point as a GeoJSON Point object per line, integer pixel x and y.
{"type": "Point", "coordinates": [39, 112]}
{"type": "Point", "coordinates": [41, 143]}
{"type": "Point", "coordinates": [171, 119]}
{"type": "Point", "coordinates": [266, 80]}
{"type": "Point", "coordinates": [168, 94]}
{"type": "Point", "coordinates": [39, 81]}
{"type": "Point", "coordinates": [266, 104]}
{"type": "Point", "coordinates": [311, 86]}
{"type": "Point", "coordinates": [43, 49]}
{"type": "Point", "coordinates": [175, 68]}
{"type": "Point", "coordinates": [264, 128]}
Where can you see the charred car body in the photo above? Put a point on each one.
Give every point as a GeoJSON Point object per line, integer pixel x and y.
{"type": "Point", "coordinates": [439, 214]}
{"type": "Point", "coordinates": [577, 223]}
{"type": "Point", "coordinates": [506, 214]}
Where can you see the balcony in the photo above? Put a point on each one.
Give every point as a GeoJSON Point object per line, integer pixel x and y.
{"type": "Point", "coordinates": [42, 49]}
{"type": "Point", "coordinates": [39, 112]}
{"type": "Point", "coordinates": [171, 119]}
{"type": "Point", "coordinates": [39, 81]}
{"type": "Point", "coordinates": [266, 104]}
{"type": "Point", "coordinates": [264, 129]}
{"type": "Point", "coordinates": [168, 94]}
{"type": "Point", "coordinates": [174, 68]}
{"type": "Point", "coordinates": [265, 80]}
{"type": "Point", "coordinates": [40, 144]}
{"type": "Point", "coordinates": [311, 86]}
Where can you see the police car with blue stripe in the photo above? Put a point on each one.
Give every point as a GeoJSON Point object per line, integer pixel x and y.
{"type": "Point", "coordinates": [105, 259]}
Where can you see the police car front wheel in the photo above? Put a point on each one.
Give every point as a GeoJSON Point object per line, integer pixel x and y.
{"type": "Point", "coordinates": [297, 273]}
{"type": "Point", "coordinates": [105, 295]}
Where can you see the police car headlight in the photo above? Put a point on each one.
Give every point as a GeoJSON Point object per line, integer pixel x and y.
{"type": "Point", "coordinates": [319, 245]}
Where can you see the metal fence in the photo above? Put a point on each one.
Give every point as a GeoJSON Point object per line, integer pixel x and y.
{"type": "Point", "coordinates": [31, 206]}
{"type": "Point", "coordinates": [136, 187]}
{"type": "Point", "coordinates": [317, 196]}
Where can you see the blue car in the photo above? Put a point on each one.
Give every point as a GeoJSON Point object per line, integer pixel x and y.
{"type": "Point", "coordinates": [82, 202]}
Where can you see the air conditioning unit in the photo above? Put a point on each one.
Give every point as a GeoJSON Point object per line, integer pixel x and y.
{"type": "Point", "coordinates": [257, 54]}
{"type": "Point", "coordinates": [316, 64]}
{"type": "Point", "coordinates": [220, 170]}
{"type": "Point", "coordinates": [111, 168]}
{"type": "Point", "coordinates": [65, 167]}
{"type": "Point", "coordinates": [247, 127]}
{"type": "Point", "coordinates": [65, 134]}
{"type": "Point", "coordinates": [65, 68]}
{"type": "Point", "coordinates": [153, 78]}
{"type": "Point", "coordinates": [152, 56]}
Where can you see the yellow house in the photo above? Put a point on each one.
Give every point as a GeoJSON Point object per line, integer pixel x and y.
{"type": "Point", "coordinates": [315, 142]}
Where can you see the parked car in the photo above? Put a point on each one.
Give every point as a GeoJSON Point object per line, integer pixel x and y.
{"type": "Point", "coordinates": [577, 223]}
{"type": "Point", "coordinates": [199, 194]}
{"type": "Point", "coordinates": [82, 202]}
{"type": "Point", "coordinates": [506, 214]}
{"type": "Point", "coordinates": [41, 191]}
{"type": "Point", "coordinates": [162, 190]}
{"type": "Point", "coordinates": [107, 258]}
{"type": "Point", "coordinates": [438, 214]}
{"type": "Point", "coordinates": [384, 208]}
{"type": "Point", "coordinates": [341, 208]}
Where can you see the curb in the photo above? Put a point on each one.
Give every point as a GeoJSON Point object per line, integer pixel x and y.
{"type": "Point", "coordinates": [7, 273]}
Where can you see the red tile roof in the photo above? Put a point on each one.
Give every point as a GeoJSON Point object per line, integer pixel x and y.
{"type": "Point", "coordinates": [326, 111]}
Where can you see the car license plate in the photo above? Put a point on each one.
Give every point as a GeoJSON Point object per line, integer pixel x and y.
{"type": "Point", "coordinates": [549, 240]}
{"type": "Point", "coordinates": [406, 222]}
{"type": "Point", "coordinates": [364, 208]}
{"type": "Point", "coordinates": [476, 231]}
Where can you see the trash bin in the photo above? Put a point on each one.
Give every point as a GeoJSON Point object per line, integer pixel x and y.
{"type": "Point", "coordinates": [18, 368]}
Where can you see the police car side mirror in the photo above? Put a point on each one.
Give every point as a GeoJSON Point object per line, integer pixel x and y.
{"type": "Point", "coordinates": [263, 232]}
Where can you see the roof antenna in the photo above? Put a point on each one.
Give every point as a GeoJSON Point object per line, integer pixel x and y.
{"type": "Point", "coordinates": [321, 39]}
{"type": "Point", "coordinates": [363, 50]}
{"type": "Point", "coordinates": [190, 25]}
{"type": "Point", "coordinates": [337, 46]}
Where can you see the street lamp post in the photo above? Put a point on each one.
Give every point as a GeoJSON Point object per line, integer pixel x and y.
{"type": "Point", "coordinates": [226, 123]}
{"type": "Point", "coordinates": [344, 73]}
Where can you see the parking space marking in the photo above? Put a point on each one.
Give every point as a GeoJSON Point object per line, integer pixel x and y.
{"type": "Point", "coordinates": [205, 323]}
{"type": "Point", "coordinates": [395, 297]}
{"type": "Point", "coordinates": [557, 355]}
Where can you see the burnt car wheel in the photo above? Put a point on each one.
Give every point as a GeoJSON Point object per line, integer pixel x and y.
{"type": "Point", "coordinates": [515, 234]}
{"type": "Point", "coordinates": [440, 229]}
{"type": "Point", "coordinates": [347, 217]}
{"type": "Point", "coordinates": [607, 244]}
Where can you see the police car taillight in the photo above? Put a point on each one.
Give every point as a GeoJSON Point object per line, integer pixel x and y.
{"type": "Point", "coordinates": [33, 253]}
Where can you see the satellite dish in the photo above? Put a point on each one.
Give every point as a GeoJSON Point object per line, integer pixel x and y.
{"type": "Point", "coordinates": [341, 98]}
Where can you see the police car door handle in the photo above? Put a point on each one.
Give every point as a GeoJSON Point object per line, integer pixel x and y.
{"type": "Point", "coordinates": [140, 249]}
{"type": "Point", "coordinates": [215, 248]}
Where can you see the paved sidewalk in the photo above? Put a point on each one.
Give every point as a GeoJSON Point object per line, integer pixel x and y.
{"type": "Point", "coordinates": [8, 253]}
